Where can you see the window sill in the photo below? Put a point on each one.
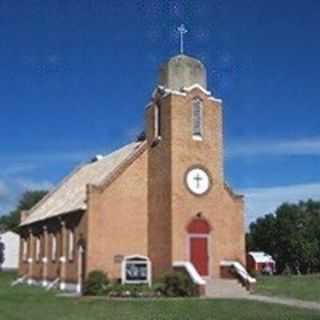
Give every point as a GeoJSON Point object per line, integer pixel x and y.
{"type": "Point", "coordinates": [197, 138]}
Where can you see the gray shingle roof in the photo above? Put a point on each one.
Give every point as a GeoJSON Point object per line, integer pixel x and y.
{"type": "Point", "coordinates": [70, 194]}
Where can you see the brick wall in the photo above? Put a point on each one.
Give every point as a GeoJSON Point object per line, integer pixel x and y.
{"type": "Point", "coordinates": [117, 219]}
{"type": "Point", "coordinates": [75, 222]}
{"type": "Point", "coordinates": [159, 189]}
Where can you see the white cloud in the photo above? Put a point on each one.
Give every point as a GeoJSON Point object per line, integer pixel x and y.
{"type": "Point", "coordinates": [53, 157]}
{"type": "Point", "coordinates": [3, 190]}
{"type": "Point", "coordinates": [16, 165]}
{"type": "Point", "coordinates": [306, 146]}
{"type": "Point", "coordinates": [132, 133]}
{"type": "Point", "coordinates": [260, 201]}
{"type": "Point", "coordinates": [17, 168]}
{"type": "Point", "coordinates": [12, 189]}
{"type": "Point", "coordinates": [27, 184]}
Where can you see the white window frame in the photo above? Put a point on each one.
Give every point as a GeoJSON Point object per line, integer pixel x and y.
{"type": "Point", "coordinates": [53, 247]}
{"type": "Point", "coordinates": [197, 124]}
{"type": "Point", "coordinates": [71, 244]}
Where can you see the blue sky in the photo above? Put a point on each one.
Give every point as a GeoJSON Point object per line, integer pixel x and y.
{"type": "Point", "coordinates": [76, 75]}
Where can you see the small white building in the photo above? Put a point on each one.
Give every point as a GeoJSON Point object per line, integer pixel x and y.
{"type": "Point", "coordinates": [9, 251]}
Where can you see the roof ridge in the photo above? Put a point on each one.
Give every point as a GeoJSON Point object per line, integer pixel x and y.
{"type": "Point", "coordinates": [108, 155]}
{"type": "Point", "coordinates": [121, 166]}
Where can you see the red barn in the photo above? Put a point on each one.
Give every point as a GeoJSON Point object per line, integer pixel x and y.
{"type": "Point", "coordinates": [260, 262]}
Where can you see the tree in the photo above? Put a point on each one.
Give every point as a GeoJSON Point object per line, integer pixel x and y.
{"type": "Point", "coordinates": [291, 236]}
{"type": "Point", "coordinates": [11, 221]}
{"type": "Point", "coordinates": [262, 233]}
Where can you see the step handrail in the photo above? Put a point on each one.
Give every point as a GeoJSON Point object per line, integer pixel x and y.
{"type": "Point", "coordinates": [191, 270]}
{"type": "Point", "coordinates": [53, 284]}
{"type": "Point", "coordinates": [240, 270]}
{"type": "Point", "coordinates": [18, 281]}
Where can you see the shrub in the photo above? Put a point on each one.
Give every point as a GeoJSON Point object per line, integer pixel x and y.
{"type": "Point", "coordinates": [177, 284]}
{"type": "Point", "coordinates": [131, 290]}
{"type": "Point", "coordinates": [96, 283]}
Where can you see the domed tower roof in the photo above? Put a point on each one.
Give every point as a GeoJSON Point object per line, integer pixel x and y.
{"type": "Point", "coordinates": [182, 71]}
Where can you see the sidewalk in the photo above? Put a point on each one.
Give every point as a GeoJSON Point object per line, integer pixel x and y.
{"type": "Point", "coordinates": [285, 301]}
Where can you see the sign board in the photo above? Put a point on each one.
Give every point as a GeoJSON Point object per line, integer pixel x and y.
{"type": "Point", "coordinates": [136, 269]}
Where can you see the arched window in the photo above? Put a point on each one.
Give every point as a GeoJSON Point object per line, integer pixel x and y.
{"type": "Point", "coordinates": [71, 245]}
{"type": "Point", "coordinates": [157, 122]}
{"type": "Point", "coordinates": [38, 248]}
{"type": "Point", "coordinates": [197, 119]}
{"type": "Point", "coordinates": [53, 247]}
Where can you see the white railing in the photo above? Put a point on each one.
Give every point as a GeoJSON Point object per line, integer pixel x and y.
{"type": "Point", "coordinates": [18, 281]}
{"type": "Point", "coordinates": [191, 270]}
{"type": "Point", "coordinates": [240, 271]}
{"type": "Point", "coordinates": [53, 284]}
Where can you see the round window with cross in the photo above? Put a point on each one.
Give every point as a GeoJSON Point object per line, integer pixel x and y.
{"type": "Point", "coordinates": [198, 180]}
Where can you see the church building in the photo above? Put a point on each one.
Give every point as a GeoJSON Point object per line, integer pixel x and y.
{"type": "Point", "coordinates": [156, 204]}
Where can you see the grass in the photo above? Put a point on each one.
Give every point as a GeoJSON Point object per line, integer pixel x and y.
{"type": "Point", "coordinates": [304, 287]}
{"type": "Point", "coordinates": [23, 302]}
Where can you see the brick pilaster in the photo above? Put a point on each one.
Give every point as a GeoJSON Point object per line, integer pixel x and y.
{"type": "Point", "coordinates": [31, 257]}
{"type": "Point", "coordinates": [63, 257]}
{"type": "Point", "coordinates": [45, 256]}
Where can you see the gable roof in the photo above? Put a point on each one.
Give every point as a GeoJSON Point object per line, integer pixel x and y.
{"type": "Point", "coordinates": [70, 194]}
{"type": "Point", "coordinates": [261, 257]}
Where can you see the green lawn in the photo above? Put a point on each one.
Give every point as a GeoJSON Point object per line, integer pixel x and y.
{"type": "Point", "coordinates": [299, 287]}
{"type": "Point", "coordinates": [34, 303]}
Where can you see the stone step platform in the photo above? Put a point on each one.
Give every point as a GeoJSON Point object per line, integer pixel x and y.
{"type": "Point", "coordinates": [225, 288]}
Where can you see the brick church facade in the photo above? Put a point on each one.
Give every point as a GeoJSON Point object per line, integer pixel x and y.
{"type": "Point", "coordinates": [161, 199]}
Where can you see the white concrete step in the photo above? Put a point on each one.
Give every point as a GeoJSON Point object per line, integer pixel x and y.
{"type": "Point", "coordinates": [225, 288]}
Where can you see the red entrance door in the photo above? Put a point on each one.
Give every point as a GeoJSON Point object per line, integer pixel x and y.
{"type": "Point", "coordinates": [199, 254]}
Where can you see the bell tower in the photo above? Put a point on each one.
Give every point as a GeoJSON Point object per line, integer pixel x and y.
{"type": "Point", "coordinates": [184, 117]}
{"type": "Point", "coordinates": [181, 72]}
{"type": "Point", "coordinates": [185, 162]}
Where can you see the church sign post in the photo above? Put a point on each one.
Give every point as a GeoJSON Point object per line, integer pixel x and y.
{"type": "Point", "coordinates": [136, 269]}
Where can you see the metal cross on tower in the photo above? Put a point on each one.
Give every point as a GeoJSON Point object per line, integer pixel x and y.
{"type": "Point", "coordinates": [182, 30]}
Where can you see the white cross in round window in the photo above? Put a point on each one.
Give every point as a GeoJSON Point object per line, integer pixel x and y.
{"type": "Point", "coordinates": [198, 181]}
